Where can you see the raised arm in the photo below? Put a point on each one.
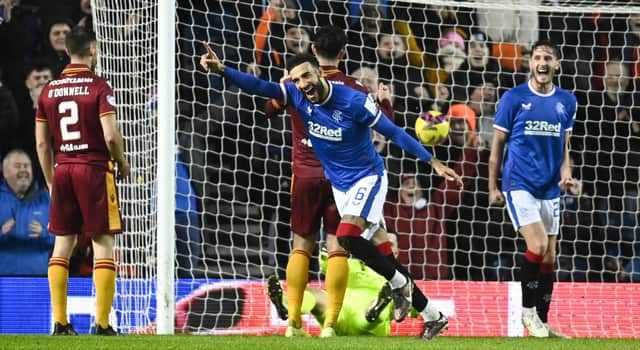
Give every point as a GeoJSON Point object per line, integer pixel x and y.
{"type": "Point", "coordinates": [384, 101]}
{"type": "Point", "coordinates": [246, 82]}
{"type": "Point", "coordinates": [409, 144]}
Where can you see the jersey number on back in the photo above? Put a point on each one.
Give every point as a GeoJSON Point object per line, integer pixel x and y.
{"type": "Point", "coordinates": [69, 111]}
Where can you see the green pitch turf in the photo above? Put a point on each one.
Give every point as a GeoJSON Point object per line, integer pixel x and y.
{"type": "Point", "coordinates": [196, 342]}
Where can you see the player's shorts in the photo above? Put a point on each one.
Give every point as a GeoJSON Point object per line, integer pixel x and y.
{"type": "Point", "coordinates": [311, 204]}
{"type": "Point", "coordinates": [524, 209]}
{"type": "Point", "coordinates": [84, 201]}
{"type": "Point", "coordinates": [364, 199]}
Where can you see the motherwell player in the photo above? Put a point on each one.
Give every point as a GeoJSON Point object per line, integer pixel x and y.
{"type": "Point", "coordinates": [77, 112]}
{"type": "Point", "coordinates": [311, 195]}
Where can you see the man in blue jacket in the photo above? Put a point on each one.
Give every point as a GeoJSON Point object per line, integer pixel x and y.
{"type": "Point", "coordinates": [25, 243]}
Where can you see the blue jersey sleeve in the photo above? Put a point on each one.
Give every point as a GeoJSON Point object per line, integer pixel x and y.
{"type": "Point", "coordinates": [401, 138]}
{"type": "Point", "coordinates": [365, 110]}
{"type": "Point", "coordinates": [250, 84]}
{"type": "Point", "coordinates": [506, 112]}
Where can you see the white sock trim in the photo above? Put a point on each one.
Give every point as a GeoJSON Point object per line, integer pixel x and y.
{"type": "Point", "coordinates": [430, 313]}
{"type": "Point", "coordinates": [398, 280]}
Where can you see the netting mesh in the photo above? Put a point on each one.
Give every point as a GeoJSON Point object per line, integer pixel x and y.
{"type": "Point", "coordinates": [234, 169]}
{"type": "Point", "coordinates": [127, 42]}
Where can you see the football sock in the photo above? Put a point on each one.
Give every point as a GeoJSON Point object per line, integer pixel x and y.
{"type": "Point", "coordinates": [398, 280]}
{"type": "Point", "coordinates": [58, 274]}
{"type": "Point", "coordinates": [545, 289]}
{"type": "Point", "coordinates": [310, 305]}
{"type": "Point", "coordinates": [350, 239]}
{"type": "Point", "coordinates": [297, 277]}
{"type": "Point", "coordinates": [104, 279]}
{"type": "Point", "coordinates": [418, 300]}
{"type": "Point", "coordinates": [430, 313]}
{"type": "Point", "coordinates": [529, 275]}
{"type": "Point", "coordinates": [336, 283]}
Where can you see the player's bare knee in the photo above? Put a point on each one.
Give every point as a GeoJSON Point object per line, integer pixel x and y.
{"type": "Point", "coordinates": [333, 245]}
{"type": "Point", "coordinates": [539, 248]}
{"type": "Point", "coordinates": [64, 246]}
{"type": "Point", "coordinates": [304, 242]}
{"type": "Point", "coordinates": [550, 256]}
{"type": "Point", "coordinates": [355, 220]}
{"type": "Point", "coordinates": [103, 246]}
{"type": "Point", "coordinates": [380, 236]}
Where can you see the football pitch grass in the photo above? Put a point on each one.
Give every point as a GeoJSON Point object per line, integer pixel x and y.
{"type": "Point", "coordinates": [196, 342]}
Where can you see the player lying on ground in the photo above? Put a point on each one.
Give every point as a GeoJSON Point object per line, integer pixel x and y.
{"type": "Point", "coordinates": [366, 310]}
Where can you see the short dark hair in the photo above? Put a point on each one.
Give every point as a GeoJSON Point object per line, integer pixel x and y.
{"type": "Point", "coordinates": [36, 66]}
{"type": "Point", "coordinates": [300, 59]}
{"type": "Point", "coordinates": [330, 40]}
{"type": "Point", "coordinates": [78, 41]}
{"type": "Point", "coordinates": [545, 43]}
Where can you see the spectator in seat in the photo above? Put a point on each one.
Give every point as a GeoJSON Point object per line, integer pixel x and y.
{"type": "Point", "coordinates": [607, 141]}
{"type": "Point", "coordinates": [631, 49]}
{"type": "Point", "coordinates": [55, 54]}
{"type": "Point", "coordinates": [21, 37]}
{"type": "Point", "coordinates": [479, 68]}
{"type": "Point", "coordinates": [451, 55]}
{"type": "Point", "coordinates": [394, 66]}
{"type": "Point", "coordinates": [188, 224]}
{"type": "Point", "coordinates": [422, 250]}
{"type": "Point", "coordinates": [25, 243]}
{"type": "Point", "coordinates": [86, 19]}
{"type": "Point", "coordinates": [295, 40]}
{"type": "Point", "coordinates": [37, 76]}
{"type": "Point", "coordinates": [448, 206]}
{"type": "Point", "coordinates": [514, 77]}
{"type": "Point", "coordinates": [482, 99]}
{"type": "Point", "coordinates": [271, 23]}
{"type": "Point", "coordinates": [9, 119]}
{"type": "Point", "coordinates": [422, 225]}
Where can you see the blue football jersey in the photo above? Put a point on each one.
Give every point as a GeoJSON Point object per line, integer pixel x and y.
{"type": "Point", "coordinates": [536, 125]}
{"type": "Point", "coordinates": [339, 129]}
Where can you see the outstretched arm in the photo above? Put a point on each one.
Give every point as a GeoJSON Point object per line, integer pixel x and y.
{"type": "Point", "coordinates": [409, 144]}
{"type": "Point", "coordinates": [246, 82]}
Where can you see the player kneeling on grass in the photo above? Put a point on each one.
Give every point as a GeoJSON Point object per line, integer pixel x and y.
{"type": "Point", "coordinates": [368, 310]}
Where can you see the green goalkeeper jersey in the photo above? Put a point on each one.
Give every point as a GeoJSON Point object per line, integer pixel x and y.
{"type": "Point", "coordinates": [362, 290]}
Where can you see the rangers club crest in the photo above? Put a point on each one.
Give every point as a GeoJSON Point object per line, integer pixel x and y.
{"type": "Point", "coordinates": [337, 116]}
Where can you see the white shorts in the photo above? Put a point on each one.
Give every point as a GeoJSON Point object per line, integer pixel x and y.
{"type": "Point", "coordinates": [524, 209]}
{"type": "Point", "coordinates": [364, 199]}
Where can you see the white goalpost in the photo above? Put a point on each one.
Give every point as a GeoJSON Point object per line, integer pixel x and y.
{"type": "Point", "coordinates": [165, 297]}
{"type": "Point", "coordinates": [206, 208]}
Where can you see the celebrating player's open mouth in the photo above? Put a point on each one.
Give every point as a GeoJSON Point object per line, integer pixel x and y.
{"type": "Point", "coordinates": [542, 73]}
{"type": "Point", "coordinates": [309, 81]}
{"type": "Point", "coordinates": [310, 92]}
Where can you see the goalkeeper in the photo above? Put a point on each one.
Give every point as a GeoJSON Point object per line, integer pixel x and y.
{"type": "Point", "coordinates": [368, 311]}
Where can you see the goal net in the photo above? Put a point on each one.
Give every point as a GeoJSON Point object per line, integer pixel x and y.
{"type": "Point", "coordinates": [233, 165]}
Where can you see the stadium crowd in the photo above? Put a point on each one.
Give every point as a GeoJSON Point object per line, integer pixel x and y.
{"type": "Point", "coordinates": [453, 60]}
